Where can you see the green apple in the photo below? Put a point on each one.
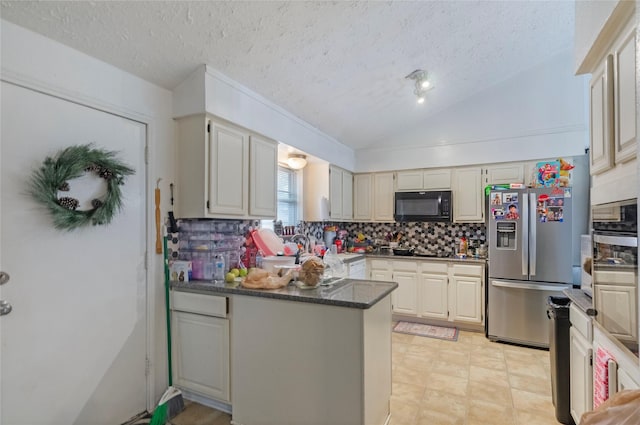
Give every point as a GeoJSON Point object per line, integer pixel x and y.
{"type": "Point", "coordinates": [230, 277]}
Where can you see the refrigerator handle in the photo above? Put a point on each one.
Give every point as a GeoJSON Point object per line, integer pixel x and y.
{"type": "Point", "coordinates": [532, 231]}
{"type": "Point", "coordinates": [524, 232]}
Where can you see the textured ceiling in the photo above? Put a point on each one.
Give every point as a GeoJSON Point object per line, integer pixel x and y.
{"type": "Point", "coordinates": [338, 65]}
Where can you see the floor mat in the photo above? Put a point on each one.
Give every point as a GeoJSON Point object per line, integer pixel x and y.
{"type": "Point", "coordinates": [431, 331]}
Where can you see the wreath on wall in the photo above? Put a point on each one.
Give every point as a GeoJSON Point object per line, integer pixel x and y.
{"type": "Point", "coordinates": [73, 162]}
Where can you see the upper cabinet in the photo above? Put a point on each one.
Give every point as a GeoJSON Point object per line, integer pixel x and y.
{"type": "Point", "coordinates": [503, 173]}
{"type": "Point", "coordinates": [612, 116]}
{"type": "Point", "coordinates": [224, 171]}
{"type": "Point", "coordinates": [373, 197]}
{"type": "Point", "coordinates": [328, 193]}
{"type": "Point", "coordinates": [434, 179]}
{"type": "Point", "coordinates": [468, 198]}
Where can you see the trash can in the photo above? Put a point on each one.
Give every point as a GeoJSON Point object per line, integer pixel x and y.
{"type": "Point", "coordinates": [558, 314]}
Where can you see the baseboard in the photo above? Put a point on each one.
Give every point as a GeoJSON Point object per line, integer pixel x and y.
{"type": "Point", "coordinates": [462, 326]}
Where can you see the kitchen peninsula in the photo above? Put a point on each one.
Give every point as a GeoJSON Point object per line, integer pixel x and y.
{"type": "Point", "coordinates": [297, 356]}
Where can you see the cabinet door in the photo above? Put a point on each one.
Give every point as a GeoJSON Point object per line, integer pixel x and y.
{"type": "Point", "coordinates": [383, 197]}
{"type": "Point", "coordinates": [625, 381]}
{"type": "Point", "coordinates": [362, 201]}
{"type": "Point", "coordinates": [504, 174]}
{"type": "Point", "coordinates": [335, 193]}
{"type": "Point", "coordinates": [601, 117]}
{"type": "Point", "coordinates": [409, 180]}
{"type": "Point", "coordinates": [347, 195]}
{"type": "Point", "coordinates": [467, 299]}
{"type": "Point", "coordinates": [436, 179]}
{"type": "Point", "coordinates": [405, 300]}
{"type": "Point", "coordinates": [201, 354]}
{"type": "Point", "coordinates": [617, 310]}
{"type": "Point", "coordinates": [433, 296]}
{"type": "Point", "coordinates": [228, 171]}
{"type": "Point", "coordinates": [625, 98]}
{"type": "Point", "coordinates": [263, 172]}
{"type": "Point", "coordinates": [381, 275]}
{"type": "Point", "coordinates": [468, 195]}
{"type": "Point", "coordinates": [581, 374]}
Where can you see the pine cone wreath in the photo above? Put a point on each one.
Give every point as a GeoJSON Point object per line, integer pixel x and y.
{"type": "Point", "coordinates": [69, 203]}
{"type": "Point", "coordinates": [64, 187]}
{"type": "Point", "coordinates": [96, 203]}
{"type": "Point", "coordinates": [93, 168]}
{"type": "Point", "coordinates": [105, 173]}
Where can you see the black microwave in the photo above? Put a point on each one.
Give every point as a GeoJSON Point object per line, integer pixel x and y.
{"type": "Point", "coordinates": [423, 206]}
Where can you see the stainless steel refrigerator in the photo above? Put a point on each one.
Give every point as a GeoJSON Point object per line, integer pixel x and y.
{"type": "Point", "coordinates": [533, 237]}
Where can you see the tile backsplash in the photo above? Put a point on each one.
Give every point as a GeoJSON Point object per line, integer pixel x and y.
{"type": "Point", "coordinates": [428, 236]}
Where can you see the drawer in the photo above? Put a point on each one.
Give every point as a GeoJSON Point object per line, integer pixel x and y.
{"type": "Point", "coordinates": [581, 322]}
{"type": "Point", "coordinates": [380, 264]}
{"type": "Point", "coordinates": [209, 305]}
{"type": "Point", "coordinates": [408, 266]}
{"type": "Point", "coordinates": [468, 270]}
{"type": "Point", "coordinates": [438, 267]}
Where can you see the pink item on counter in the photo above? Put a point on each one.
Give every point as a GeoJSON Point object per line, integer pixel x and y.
{"type": "Point", "coordinates": [601, 377]}
{"type": "Point", "coordinates": [267, 242]}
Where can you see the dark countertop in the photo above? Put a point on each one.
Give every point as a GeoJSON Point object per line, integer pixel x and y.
{"type": "Point", "coordinates": [352, 293]}
{"type": "Point", "coordinates": [422, 258]}
{"type": "Point", "coordinates": [581, 300]}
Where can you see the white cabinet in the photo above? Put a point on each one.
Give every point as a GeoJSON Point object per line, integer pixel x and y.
{"type": "Point", "coordinates": [405, 273]}
{"type": "Point", "coordinates": [613, 127]}
{"type": "Point", "coordinates": [362, 197]}
{"type": "Point", "coordinates": [580, 359]}
{"type": "Point", "coordinates": [624, 89]}
{"type": "Point", "coordinates": [224, 171]}
{"type": "Point", "coordinates": [434, 289]}
{"type": "Point", "coordinates": [373, 196]}
{"type": "Point", "coordinates": [467, 285]}
{"type": "Point", "coordinates": [200, 348]}
{"type": "Point", "coordinates": [383, 195]}
{"type": "Point", "coordinates": [618, 306]}
{"type": "Point", "coordinates": [600, 118]}
{"type": "Point", "coordinates": [429, 179]}
{"type": "Point", "coordinates": [468, 198]}
{"type": "Point", "coordinates": [328, 193]}
{"type": "Point", "coordinates": [503, 173]}
{"type": "Point", "coordinates": [340, 194]}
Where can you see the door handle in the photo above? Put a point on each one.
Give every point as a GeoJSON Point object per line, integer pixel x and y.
{"type": "Point", "coordinates": [5, 308]}
{"type": "Point", "coordinates": [4, 278]}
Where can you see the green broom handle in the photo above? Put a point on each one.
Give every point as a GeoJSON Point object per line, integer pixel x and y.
{"type": "Point", "coordinates": [168, 313]}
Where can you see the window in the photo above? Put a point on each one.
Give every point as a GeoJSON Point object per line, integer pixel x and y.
{"type": "Point", "coordinates": [287, 197]}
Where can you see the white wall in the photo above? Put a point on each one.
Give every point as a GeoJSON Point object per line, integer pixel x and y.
{"type": "Point", "coordinates": [227, 99]}
{"type": "Point", "coordinates": [37, 62]}
{"type": "Point", "coordinates": [539, 113]}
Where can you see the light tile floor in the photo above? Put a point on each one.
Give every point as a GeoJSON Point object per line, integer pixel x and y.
{"type": "Point", "coordinates": [468, 382]}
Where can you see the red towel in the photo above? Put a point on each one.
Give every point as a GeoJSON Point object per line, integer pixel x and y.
{"type": "Point", "coordinates": [601, 377]}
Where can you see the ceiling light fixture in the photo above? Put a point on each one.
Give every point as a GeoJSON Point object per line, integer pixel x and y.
{"type": "Point", "coordinates": [422, 84]}
{"type": "Point", "coordinates": [297, 161]}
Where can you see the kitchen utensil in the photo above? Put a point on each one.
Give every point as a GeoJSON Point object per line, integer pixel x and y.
{"type": "Point", "coordinates": [173, 226]}
{"type": "Point", "coordinates": [403, 251]}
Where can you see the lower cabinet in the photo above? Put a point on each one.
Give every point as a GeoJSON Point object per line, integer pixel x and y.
{"type": "Point", "coordinates": [434, 289]}
{"type": "Point", "coordinates": [200, 344]}
{"type": "Point", "coordinates": [357, 269]}
{"type": "Point", "coordinates": [581, 374]}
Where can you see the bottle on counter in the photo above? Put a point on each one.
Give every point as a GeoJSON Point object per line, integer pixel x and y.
{"type": "Point", "coordinates": [463, 246]}
{"type": "Point", "coordinates": [259, 259]}
{"type": "Point", "coordinates": [219, 268]}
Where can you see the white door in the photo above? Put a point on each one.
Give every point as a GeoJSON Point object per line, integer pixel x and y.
{"type": "Point", "coordinates": [433, 296]}
{"type": "Point", "coordinates": [406, 300]}
{"type": "Point", "coordinates": [73, 348]}
{"type": "Point", "coordinates": [467, 299]}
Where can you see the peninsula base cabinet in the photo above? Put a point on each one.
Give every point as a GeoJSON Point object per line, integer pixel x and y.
{"type": "Point", "coordinates": [441, 290]}
{"type": "Point", "coordinates": [200, 345]}
{"type": "Point", "coordinates": [581, 363]}
{"type": "Point", "coordinates": [310, 363]}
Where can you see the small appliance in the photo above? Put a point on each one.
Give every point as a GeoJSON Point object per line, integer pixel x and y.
{"type": "Point", "coordinates": [423, 206]}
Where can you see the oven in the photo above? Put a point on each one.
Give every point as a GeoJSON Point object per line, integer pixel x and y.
{"type": "Point", "coordinates": [615, 270]}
